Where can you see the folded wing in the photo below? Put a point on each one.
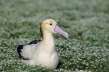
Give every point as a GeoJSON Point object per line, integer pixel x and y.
{"type": "Point", "coordinates": [27, 51]}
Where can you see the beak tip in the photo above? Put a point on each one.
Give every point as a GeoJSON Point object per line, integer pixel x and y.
{"type": "Point", "coordinates": [60, 31]}
{"type": "Point", "coordinates": [66, 35]}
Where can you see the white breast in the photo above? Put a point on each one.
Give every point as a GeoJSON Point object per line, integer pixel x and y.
{"type": "Point", "coordinates": [45, 54]}
{"type": "Point", "coordinates": [45, 59]}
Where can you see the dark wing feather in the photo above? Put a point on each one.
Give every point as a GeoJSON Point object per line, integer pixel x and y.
{"type": "Point", "coordinates": [34, 42]}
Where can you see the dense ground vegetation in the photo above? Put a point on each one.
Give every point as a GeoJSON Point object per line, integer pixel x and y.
{"type": "Point", "coordinates": [86, 21]}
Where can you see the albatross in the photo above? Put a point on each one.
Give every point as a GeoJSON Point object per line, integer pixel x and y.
{"type": "Point", "coordinates": [42, 52]}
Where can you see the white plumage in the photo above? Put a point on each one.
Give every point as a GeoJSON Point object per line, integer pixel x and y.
{"type": "Point", "coordinates": [42, 52]}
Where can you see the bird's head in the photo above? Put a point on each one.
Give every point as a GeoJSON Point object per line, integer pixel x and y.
{"type": "Point", "coordinates": [50, 25]}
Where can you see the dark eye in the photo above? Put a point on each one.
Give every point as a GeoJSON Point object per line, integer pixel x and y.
{"type": "Point", "coordinates": [50, 24]}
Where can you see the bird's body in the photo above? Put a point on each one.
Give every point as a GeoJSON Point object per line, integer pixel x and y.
{"type": "Point", "coordinates": [41, 52]}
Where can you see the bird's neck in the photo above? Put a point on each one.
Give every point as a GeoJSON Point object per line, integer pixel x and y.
{"type": "Point", "coordinates": [47, 36]}
{"type": "Point", "coordinates": [48, 41]}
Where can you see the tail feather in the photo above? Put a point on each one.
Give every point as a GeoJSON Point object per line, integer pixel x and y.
{"type": "Point", "coordinates": [19, 48]}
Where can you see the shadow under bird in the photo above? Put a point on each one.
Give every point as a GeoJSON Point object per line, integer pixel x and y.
{"type": "Point", "coordinates": [42, 52]}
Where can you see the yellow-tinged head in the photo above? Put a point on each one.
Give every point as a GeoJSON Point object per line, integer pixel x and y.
{"type": "Point", "coordinates": [50, 26]}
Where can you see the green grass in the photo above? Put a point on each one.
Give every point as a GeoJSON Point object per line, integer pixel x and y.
{"type": "Point", "coordinates": [86, 21]}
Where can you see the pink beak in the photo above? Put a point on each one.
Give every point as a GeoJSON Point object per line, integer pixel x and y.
{"type": "Point", "coordinates": [60, 31]}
